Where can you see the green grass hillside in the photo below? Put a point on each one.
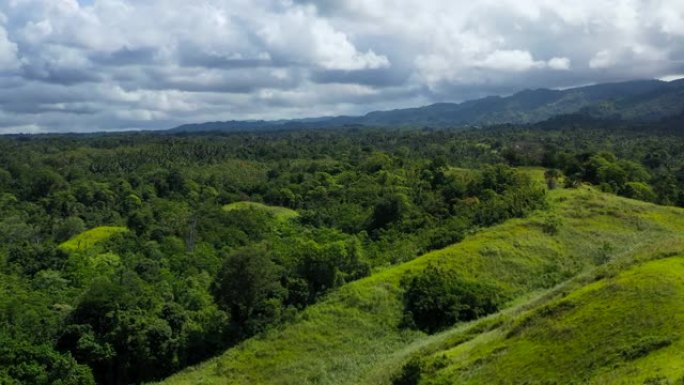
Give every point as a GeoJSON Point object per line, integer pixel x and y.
{"type": "Point", "coordinates": [354, 336]}
{"type": "Point", "coordinates": [280, 213]}
{"type": "Point", "coordinates": [90, 238]}
{"type": "Point", "coordinates": [619, 330]}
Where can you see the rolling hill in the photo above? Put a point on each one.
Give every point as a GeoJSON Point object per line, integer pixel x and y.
{"type": "Point", "coordinates": [593, 265]}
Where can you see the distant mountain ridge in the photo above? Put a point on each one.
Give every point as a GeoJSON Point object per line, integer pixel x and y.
{"type": "Point", "coordinates": [639, 100]}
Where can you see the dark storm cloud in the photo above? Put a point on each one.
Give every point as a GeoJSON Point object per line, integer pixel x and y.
{"type": "Point", "coordinates": [84, 65]}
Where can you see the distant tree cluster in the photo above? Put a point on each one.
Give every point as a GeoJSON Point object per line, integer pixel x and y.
{"type": "Point", "coordinates": [627, 161]}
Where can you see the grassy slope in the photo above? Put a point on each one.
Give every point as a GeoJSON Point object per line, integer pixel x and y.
{"type": "Point", "coordinates": [90, 238]}
{"type": "Point", "coordinates": [624, 329]}
{"type": "Point", "coordinates": [353, 337]}
{"type": "Point", "coordinates": [280, 213]}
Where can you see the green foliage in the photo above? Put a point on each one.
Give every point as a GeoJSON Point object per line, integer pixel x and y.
{"type": "Point", "coordinates": [639, 190]}
{"type": "Point", "coordinates": [552, 177]}
{"type": "Point", "coordinates": [281, 213]}
{"type": "Point", "coordinates": [410, 373]}
{"type": "Point", "coordinates": [438, 298]}
{"type": "Point", "coordinates": [354, 334]}
{"type": "Point", "coordinates": [31, 258]}
{"type": "Point", "coordinates": [136, 297]}
{"type": "Point", "coordinates": [25, 363]}
{"type": "Point", "coordinates": [69, 228]}
{"type": "Point", "coordinates": [376, 161]}
{"type": "Point", "coordinates": [331, 265]}
{"type": "Point", "coordinates": [248, 287]}
{"type": "Point", "coordinates": [389, 210]}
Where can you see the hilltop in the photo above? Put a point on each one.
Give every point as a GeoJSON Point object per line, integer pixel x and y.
{"type": "Point", "coordinates": [279, 213]}
{"type": "Point", "coordinates": [566, 254]}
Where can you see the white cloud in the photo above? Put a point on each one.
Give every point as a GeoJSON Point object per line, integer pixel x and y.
{"type": "Point", "coordinates": [155, 63]}
{"type": "Point", "coordinates": [559, 63]}
{"type": "Point", "coordinates": [670, 17]}
{"type": "Point", "coordinates": [510, 60]}
{"type": "Point", "coordinates": [637, 54]}
{"type": "Point", "coordinates": [602, 59]}
{"type": "Point", "coordinates": [300, 34]}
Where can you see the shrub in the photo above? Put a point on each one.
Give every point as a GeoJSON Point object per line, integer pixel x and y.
{"type": "Point", "coordinates": [639, 190]}
{"type": "Point", "coordinates": [438, 298]}
{"type": "Point", "coordinates": [410, 373]}
{"type": "Point", "coordinates": [551, 224]}
{"type": "Point", "coordinates": [604, 253]}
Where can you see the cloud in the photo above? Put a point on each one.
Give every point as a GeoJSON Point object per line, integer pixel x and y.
{"type": "Point", "coordinates": [518, 61]}
{"type": "Point", "coordinates": [641, 54]}
{"type": "Point", "coordinates": [8, 52]}
{"type": "Point", "coordinates": [510, 60]}
{"type": "Point", "coordinates": [602, 59]}
{"type": "Point", "coordinates": [299, 35]}
{"type": "Point", "coordinates": [559, 63]}
{"type": "Point", "coordinates": [125, 64]}
{"type": "Point", "coordinates": [671, 18]}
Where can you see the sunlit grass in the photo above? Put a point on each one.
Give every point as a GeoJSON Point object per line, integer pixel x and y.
{"type": "Point", "coordinates": [625, 329]}
{"type": "Point", "coordinates": [89, 238]}
{"type": "Point", "coordinates": [280, 213]}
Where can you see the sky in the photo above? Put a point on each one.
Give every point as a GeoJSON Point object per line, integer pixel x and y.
{"type": "Point", "coordinates": [96, 65]}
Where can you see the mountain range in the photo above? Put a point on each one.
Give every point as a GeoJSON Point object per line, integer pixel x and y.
{"type": "Point", "coordinates": [634, 101]}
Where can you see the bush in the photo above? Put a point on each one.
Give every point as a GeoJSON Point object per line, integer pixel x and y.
{"type": "Point", "coordinates": [639, 190]}
{"type": "Point", "coordinates": [410, 374]}
{"type": "Point", "coordinates": [438, 298]}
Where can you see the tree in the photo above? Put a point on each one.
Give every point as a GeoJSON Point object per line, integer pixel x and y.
{"type": "Point", "coordinates": [25, 363]}
{"type": "Point", "coordinates": [32, 258]}
{"type": "Point", "coordinates": [438, 298]}
{"type": "Point", "coordinates": [42, 182]}
{"type": "Point", "coordinates": [248, 287]}
{"type": "Point", "coordinates": [68, 228]}
{"type": "Point", "coordinates": [389, 210]}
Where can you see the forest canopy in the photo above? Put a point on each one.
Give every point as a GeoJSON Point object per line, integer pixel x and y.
{"type": "Point", "coordinates": [127, 257]}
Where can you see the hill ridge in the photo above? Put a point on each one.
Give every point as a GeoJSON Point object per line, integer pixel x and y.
{"type": "Point", "coordinates": [635, 100]}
